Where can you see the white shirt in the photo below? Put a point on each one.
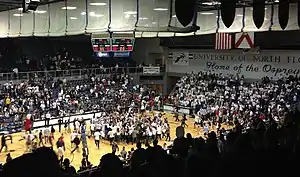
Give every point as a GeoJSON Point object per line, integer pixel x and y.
{"type": "Point", "coordinates": [77, 124]}
{"type": "Point", "coordinates": [97, 135]}
{"type": "Point", "coordinates": [159, 130]}
{"type": "Point", "coordinates": [60, 152]}
{"type": "Point", "coordinates": [73, 135]}
{"type": "Point", "coordinates": [48, 115]}
{"type": "Point", "coordinates": [92, 127]}
{"type": "Point", "coordinates": [111, 134]}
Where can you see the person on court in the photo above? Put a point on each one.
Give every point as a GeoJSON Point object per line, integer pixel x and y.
{"type": "Point", "coordinates": [73, 135]}
{"type": "Point", "coordinates": [168, 137]}
{"type": "Point", "coordinates": [4, 137]}
{"type": "Point", "coordinates": [29, 141]}
{"type": "Point", "coordinates": [3, 143]}
{"type": "Point", "coordinates": [114, 147]}
{"type": "Point", "coordinates": [206, 129]}
{"type": "Point", "coordinates": [8, 158]}
{"type": "Point", "coordinates": [183, 121]}
{"type": "Point", "coordinates": [176, 116]}
{"type": "Point", "coordinates": [197, 121]}
{"type": "Point", "coordinates": [97, 135]}
{"type": "Point", "coordinates": [28, 123]}
{"type": "Point", "coordinates": [41, 143]}
{"type": "Point", "coordinates": [76, 142]}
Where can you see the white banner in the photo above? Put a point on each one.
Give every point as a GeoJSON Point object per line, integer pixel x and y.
{"type": "Point", "coordinates": [151, 70]}
{"type": "Point", "coordinates": [274, 64]}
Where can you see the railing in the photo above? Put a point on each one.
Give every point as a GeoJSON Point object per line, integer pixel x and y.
{"type": "Point", "coordinates": [70, 73]}
{"type": "Point", "coordinates": [191, 110]}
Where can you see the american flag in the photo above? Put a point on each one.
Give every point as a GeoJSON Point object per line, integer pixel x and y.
{"type": "Point", "coordinates": [223, 41]}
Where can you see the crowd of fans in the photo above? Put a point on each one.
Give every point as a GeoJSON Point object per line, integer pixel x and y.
{"type": "Point", "coordinates": [262, 150]}
{"type": "Point", "coordinates": [42, 99]}
{"type": "Point", "coordinates": [215, 96]}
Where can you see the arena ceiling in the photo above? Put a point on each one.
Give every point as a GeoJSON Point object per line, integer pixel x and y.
{"type": "Point", "coordinates": [14, 4]}
{"type": "Point", "coordinates": [203, 5]}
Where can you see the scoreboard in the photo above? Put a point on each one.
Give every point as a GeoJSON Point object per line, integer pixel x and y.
{"type": "Point", "coordinates": [112, 45]}
{"type": "Point", "coordinates": [101, 45]}
{"type": "Point", "coordinates": [122, 44]}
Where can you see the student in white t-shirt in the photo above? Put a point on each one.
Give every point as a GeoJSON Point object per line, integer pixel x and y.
{"type": "Point", "coordinates": [77, 125]}
{"type": "Point", "coordinates": [73, 135]}
{"type": "Point", "coordinates": [29, 139]}
{"type": "Point", "coordinates": [60, 154]}
{"type": "Point", "coordinates": [97, 135]}
{"type": "Point", "coordinates": [159, 132]}
{"type": "Point", "coordinates": [111, 136]}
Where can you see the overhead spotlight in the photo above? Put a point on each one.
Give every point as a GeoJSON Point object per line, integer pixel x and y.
{"type": "Point", "coordinates": [298, 5]}
{"type": "Point", "coordinates": [30, 5]}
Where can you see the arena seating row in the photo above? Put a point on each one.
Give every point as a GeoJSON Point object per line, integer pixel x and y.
{"type": "Point", "coordinates": [52, 55]}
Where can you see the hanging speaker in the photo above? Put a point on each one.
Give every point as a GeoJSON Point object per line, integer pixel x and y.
{"type": "Point", "coordinates": [228, 11]}
{"type": "Point", "coordinates": [283, 13]}
{"type": "Point", "coordinates": [258, 13]}
{"type": "Point", "coordinates": [185, 10]}
{"type": "Point", "coordinates": [298, 13]}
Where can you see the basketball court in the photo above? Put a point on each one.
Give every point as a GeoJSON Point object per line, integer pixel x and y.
{"type": "Point", "coordinates": [18, 147]}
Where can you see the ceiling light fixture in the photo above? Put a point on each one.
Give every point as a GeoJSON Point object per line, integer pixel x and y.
{"type": "Point", "coordinates": [18, 15]}
{"type": "Point", "coordinates": [39, 11]}
{"type": "Point", "coordinates": [211, 3]}
{"type": "Point", "coordinates": [83, 13]}
{"type": "Point", "coordinates": [93, 14]}
{"type": "Point", "coordinates": [143, 18]}
{"type": "Point", "coordinates": [69, 8]}
{"type": "Point", "coordinates": [239, 15]}
{"type": "Point", "coordinates": [130, 12]}
{"type": "Point", "coordinates": [174, 16]}
{"type": "Point", "coordinates": [73, 18]}
{"type": "Point", "coordinates": [160, 9]}
{"type": "Point", "coordinates": [207, 13]}
{"type": "Point", "coordinates": [98, 4]}
{"type": "Point", "coordinates": [265, 8]}
{"type": "Point", "coordinates": [98, 15]}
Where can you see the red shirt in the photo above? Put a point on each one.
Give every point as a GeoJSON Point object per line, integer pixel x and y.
{"type": "Point", "coordinates": [27, 124]}
{"type": "Point", "coordinates": [262, 117]}
{"type": "Point", "coordinates": [217, 112]}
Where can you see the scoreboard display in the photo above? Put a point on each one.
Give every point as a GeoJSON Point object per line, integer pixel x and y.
{"type": "Point", "coordinates": [122, 44]}
{"type": "Point", "coordinates": [101, 45]}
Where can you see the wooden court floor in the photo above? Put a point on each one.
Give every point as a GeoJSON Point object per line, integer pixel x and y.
{"type": "Point", "coordinates": [18, 147]}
